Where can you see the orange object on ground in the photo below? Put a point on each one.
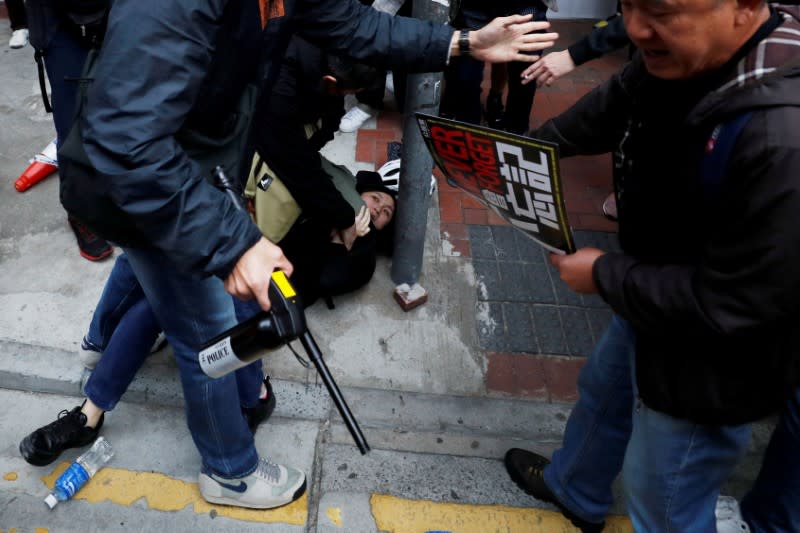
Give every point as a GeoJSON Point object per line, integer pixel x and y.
{"type": "Point", "coordinates": [44, 163]}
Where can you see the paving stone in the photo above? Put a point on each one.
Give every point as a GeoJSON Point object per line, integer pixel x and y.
{"type": "Point", "coordinates": [488, 279]}
{"type": "Point", "coordinates": [480, 238]}
{"type": "Point", "coordinates": [520, 330]}
{"type": "Point", "coordinates": [599, 320]}
{"type": "Point", "coordinates": [528, 249]}
{"type": "Point", "coordinates": [564, 295]}
{"type": "Point", "coordinates": [538, 285]}
{"type": "Point", "coordinates": [593, 301]}
{"type": "Point", "coordinates": [491, 328]}
{"type": "Point", "coordinates": [591, 239]}
{"type": "Point", "coordinates": [578, 331]}
{"type": "Point", "coordinates": [549, 330]}
{"type": "Point", "coordinates": [513, 285]}
{"type": "Point", "coordinates": [516, 374]}
{"type": "Point", "coordinates": [561, 375]}
{"type": "Point", "coordinates": [505, 243]}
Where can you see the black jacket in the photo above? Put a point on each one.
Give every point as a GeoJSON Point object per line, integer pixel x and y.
{"type": "Point", "coordinates": [165, 66]}
{"type": "Point", "coordinates": [299, 98]}
{"type": "Point", "coordinates": [711, 285]}
{"type": "Point", "coordinates": [599, 42]}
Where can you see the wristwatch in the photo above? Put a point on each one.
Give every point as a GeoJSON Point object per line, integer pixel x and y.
{"type": "Point", "coordinates": [463, 42]}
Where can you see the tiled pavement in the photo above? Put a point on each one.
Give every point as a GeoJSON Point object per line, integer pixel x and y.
{"type": "Point", "coordinates": [534, 331]}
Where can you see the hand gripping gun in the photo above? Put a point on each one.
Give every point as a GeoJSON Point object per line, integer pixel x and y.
{"type": "Point", "coordinates": [283, 323]}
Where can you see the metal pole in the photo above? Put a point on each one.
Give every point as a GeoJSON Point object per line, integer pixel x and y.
{"type": "Point", "coordinates": [422, 95]}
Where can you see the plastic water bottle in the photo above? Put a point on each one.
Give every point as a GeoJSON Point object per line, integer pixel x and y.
{"type": "Point", "coordinates": [80, 471]}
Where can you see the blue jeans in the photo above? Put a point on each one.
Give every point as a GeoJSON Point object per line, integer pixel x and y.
{"type": "Point", "coordinates": [191, 311]}
{"type": "Point", "coordinates": [125, 352]}
{"type": "Point", "coordinates": [673, 469]}
{"type": "Point", "coordinates": [124, 328]}
{"type": "Point", "coordinates": [121, 292]}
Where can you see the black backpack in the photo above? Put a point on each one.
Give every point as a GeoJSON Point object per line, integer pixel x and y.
{"type": "Point", "coordinates": [86, 20]}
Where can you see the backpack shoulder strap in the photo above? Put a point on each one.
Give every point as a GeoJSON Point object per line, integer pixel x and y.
{"type": "Point", "coordinates": [719, 148]}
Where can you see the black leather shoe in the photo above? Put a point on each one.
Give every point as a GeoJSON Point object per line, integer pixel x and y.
{"type": "Point", "coordinates": [69, 430]}
{"type": "Point", "coordinates": [258, 414]}
{"type": "Point", "coordinates": [527, 471]}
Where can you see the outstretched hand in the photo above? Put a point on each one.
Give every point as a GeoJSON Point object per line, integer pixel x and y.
{"type": "Point", "coordinates": [549, 68]}
{"type": "Point", "coordinates": [576, 269]}
{"type": "Point", "coordinates": [251, 276]}
{"type": "Point", "coordinates": [507, 39]}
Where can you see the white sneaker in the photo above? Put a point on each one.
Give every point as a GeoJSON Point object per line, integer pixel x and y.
{"type": "Point", "coordinates": [729, 516]}
{"type": "Point", "coordinates": [270, 485]}
{"type": "Point", "coordinates": [355, 118]}
{"type": "Point", "coordinates": [19, 38]}
{"type": "Point", "coordinates": [159, 343]}
{"type": "Point", "coordinates": [390, 82]}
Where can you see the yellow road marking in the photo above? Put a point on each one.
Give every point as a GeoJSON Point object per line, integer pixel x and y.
{"type": "Point", "coordinates": [163, 493]}
{"type": "Point", "coordinates": [398, 515]}
{"type": "Point", "coordinates": [334, 515]}
{"type": "Point", "coordinates": [10, 476]}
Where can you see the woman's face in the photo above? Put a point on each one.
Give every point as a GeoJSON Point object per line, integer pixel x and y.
{"type": "Point", "coordinates": [380, 206]}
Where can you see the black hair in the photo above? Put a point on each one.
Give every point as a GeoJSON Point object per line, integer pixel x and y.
{"type": "Point", "coordinates": [351, 75]}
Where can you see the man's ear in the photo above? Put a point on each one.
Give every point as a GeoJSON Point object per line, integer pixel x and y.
{"type": "Point", "coordinates": [330, 84]}
{"type": "Point", "coordinates": [749, 11]}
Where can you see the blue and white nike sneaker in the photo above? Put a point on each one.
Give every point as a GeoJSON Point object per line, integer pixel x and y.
{"type": "Point", "coordinates": [270, 485]}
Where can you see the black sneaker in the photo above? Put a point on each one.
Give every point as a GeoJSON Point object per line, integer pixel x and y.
{"type": "Point", "coordinates": [44, 445]}
{"type": "Point", "coordinates": [256, 415]}
{"type": "Point", "coordinates": [527, 471]}
{"type": "Point", "coordinates": [494, 110]}
{"type": "Point", "coordinates": [92, 246]}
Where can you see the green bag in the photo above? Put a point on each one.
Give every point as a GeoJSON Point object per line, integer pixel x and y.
{"type": "Point", "coordinates": [275, 209]}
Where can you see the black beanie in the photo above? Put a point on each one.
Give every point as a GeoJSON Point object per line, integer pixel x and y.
{"type": "Point", "coordinates": [368, 180]}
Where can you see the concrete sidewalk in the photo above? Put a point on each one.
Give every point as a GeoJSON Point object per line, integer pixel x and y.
{"type": "Point", "coordinates": [441, 392]}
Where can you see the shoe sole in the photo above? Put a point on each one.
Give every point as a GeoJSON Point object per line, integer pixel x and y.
{"type": "Point", "coordinates": [298, 493]}
{"type": "Point", "coordinates": [96, 257]}
{"type": "Point", "coordinates": [34, 457]}
{"type": "Point", "coordinates": [39, 458]}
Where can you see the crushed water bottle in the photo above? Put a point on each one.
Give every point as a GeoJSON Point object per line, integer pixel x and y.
{"type": "Point", "coordinates": [80, 471]}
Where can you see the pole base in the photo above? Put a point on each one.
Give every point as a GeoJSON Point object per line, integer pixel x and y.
{"type": "Point", "coordinates": [409, 297]}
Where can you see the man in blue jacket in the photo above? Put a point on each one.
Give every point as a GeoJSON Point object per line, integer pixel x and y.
{"type": "Point", "coordinates": [172, 76]}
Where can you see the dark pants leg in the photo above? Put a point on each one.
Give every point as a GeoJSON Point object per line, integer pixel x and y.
{"type": "Point", "coordinates": [462, 94]}
{"type": "Point", "coordinates": [373, 97]}
{"type": "Point", "coordinates": [520, 97]}
{"type": "Point", "coordinates": [773, 503]}
{"type": "Point", "coordinates": [16, 14]}
{"type": "Point", "coordinates": [64, 61]}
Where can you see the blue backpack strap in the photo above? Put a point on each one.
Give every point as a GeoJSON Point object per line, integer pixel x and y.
{"type": "Point", "coordinates": [715, 161]}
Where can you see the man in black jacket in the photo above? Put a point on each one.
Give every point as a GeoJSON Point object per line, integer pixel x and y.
{"type": "Point", "coordinates": [172, 93]}
{"type": "Point", "coordinates": [706, 296]}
